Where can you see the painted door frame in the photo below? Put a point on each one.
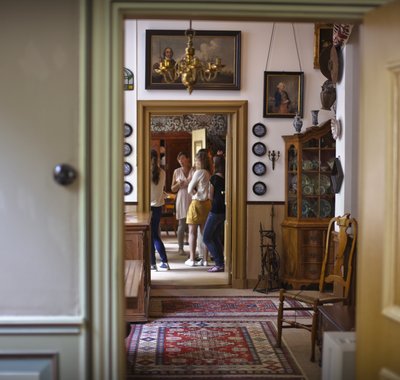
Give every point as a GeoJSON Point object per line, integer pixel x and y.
{"type": "Point", "coordinates": [108, 354]}
{"type": "Point", "coordinates": [237, 167]}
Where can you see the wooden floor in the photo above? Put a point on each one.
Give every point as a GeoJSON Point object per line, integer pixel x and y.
{"type": "Point", "coordinates": [180, 274]}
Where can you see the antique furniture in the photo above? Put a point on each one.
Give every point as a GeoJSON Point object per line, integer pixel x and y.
{"type": "Point", "coordinates": [334, 283]}
{"type": "Point", "coordinates": [309, 204]}
{"type": "Point", "coordinates": [334, 317]}
{"type": "Point", "coordinates": [168, 220]}
{"type": "Point", "coordinates": [137, 266]}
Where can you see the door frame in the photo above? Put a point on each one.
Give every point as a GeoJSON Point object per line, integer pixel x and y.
{"type": "Point", "coordinates": [105, 36]}
{"type": "Point", "coordinates": [236, 168]}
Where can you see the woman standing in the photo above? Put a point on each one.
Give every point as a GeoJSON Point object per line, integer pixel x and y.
{"type": "Point", "coordinates": [200, 206]}
{"type": "Point", "coordinates": [157, 201]}
{"type": "Point", "coordinates": [180, 182]}
{"type": "Point", "coordinates": [214, 228]}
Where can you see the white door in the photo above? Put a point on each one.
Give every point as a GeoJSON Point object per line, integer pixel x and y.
{"type": "Point", "coordinates": [199, 141]}
{"type": "Point", "coordinates": [378, 286]}
{"type": "Point", "coordinates": [42, 273]}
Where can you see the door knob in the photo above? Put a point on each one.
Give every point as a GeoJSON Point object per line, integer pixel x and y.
{"type": "Point", "coordinates": [64, 174]}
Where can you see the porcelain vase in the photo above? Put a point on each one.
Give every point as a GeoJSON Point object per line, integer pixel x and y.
{"type": "Point", "coordinates": [297, 123]}
{"type": "Point", "coordinates": [314, 115]}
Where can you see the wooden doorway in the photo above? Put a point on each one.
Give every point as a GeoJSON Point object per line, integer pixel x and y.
{"type": "Point", "coordinates": [236, 155]}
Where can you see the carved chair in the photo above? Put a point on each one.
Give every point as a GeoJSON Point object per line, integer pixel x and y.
{"type": "Point", "coordinates": [334, 283]}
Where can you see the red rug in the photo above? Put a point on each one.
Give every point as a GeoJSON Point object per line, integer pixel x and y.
{"type": "Point", "coordinates": [220, 341]}
{"type": "Point", "coordinates": [219, 307]}
{"type": "Point", "coordinates": [208, 350]}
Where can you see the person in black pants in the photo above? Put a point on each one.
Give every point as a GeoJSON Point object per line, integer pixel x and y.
{"type": "Point", "coordinates": [213, 236]}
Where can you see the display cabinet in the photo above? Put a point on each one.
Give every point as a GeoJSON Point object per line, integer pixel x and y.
{"type": "Point", "coordinates": [309, 204]}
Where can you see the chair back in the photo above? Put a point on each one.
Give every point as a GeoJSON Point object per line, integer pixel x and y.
{"type": "Point", "coordinates": [340, 276]}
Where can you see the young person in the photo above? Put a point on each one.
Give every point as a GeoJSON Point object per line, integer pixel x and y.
{"type": "Point", "coordinates": [180, 182]}
{"type": "Point", "coordinates": [214, 228]}
{"type": "Point", "coordinates": [200, 205]}
{"type": "Point", "coordinates": [157, 201]}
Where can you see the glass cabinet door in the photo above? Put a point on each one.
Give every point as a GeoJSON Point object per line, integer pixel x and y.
{"type": "Point", "coordinates": [318, 199]}
{"type": "Point", "coordinates": [309, 189]}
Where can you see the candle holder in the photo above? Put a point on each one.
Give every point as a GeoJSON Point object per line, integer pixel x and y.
{"type": "Point", "coordinates": [273, 156]}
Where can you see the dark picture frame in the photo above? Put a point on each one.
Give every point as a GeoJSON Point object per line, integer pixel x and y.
{"type": "Point", "coordinates": [323, 38]}
{"type": "Point", "coordinates": [208, 45]}
{"type": "Point", "coordinates": [283, 93]}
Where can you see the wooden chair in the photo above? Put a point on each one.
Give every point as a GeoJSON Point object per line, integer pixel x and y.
{"type": "Point", "coordinates": [334, 283]}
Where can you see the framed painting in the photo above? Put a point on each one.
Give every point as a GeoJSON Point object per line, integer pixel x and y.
{"type": "Point", "coordinates": [283, 94]}
{"type": "Point", "coordinates": [208, 45]}
{"type": "Point", "coordinates": [323, 37]}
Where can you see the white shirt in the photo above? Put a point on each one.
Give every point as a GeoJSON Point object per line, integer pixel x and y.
{"type": "Point", "coordinates": [199, 186]}
{"type": "Point", "coordinates": [183, 198]}
{"type": "Point", "coordinates": [157, 191]}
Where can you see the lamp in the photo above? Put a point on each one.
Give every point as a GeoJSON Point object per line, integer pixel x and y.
{"type": "Point", "coordinates": [189, 68]}
{"type": "Point", "coordinates": [274, 156]}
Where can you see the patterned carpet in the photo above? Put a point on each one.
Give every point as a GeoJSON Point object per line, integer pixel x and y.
{"type": "Point", "coordinates": [218, 307]}
{"type": "Point", "coordinates": [209, 338]}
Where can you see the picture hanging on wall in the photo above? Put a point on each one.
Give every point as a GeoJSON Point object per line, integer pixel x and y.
{"type": "Point", "coordinates": [283, 94]}
{"type": "Point", "coordinates": [168, 46]}
{"type": "Point", "coordinates": [323, 36]}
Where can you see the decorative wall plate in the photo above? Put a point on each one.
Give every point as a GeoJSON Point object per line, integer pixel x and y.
{"type": "Point", "coordinates": [127, 130]}
{"type": "Point", "coordinates": [260, 188]}
{"type": "Point", "coordinates": [128, 188]}
{"type": "Point", "coordinates": [259, 168]}
{"type": "Point", "coordinates": [127, 168]}
{"type": "Point", "coordinates": [259, 130]}
{"type": "Point", "coordinates": [127, 149]}
{"type": "Point", "coordinates": [325, 208]}
{"type": "Point", "coordinates": [259, 149]}
{"type": "Point", "coordinates": [337, 176]}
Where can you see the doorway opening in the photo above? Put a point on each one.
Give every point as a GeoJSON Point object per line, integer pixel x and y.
{"type": "Point", "coordinates": [171, 135]}
{"type": "Point", "coordinates": [236, 170]}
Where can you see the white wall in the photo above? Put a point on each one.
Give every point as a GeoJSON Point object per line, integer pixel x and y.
{"type": "Point", "coordinates": [347, 113]}
{"type": "Point", "coordinates": [256, 37]}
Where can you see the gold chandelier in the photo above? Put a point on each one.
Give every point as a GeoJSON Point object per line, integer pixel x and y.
{"type": "Point", "coordinates": [189, 68]}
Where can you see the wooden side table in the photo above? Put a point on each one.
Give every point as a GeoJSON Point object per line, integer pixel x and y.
{"type": "Point", "coordinates": [336, 317]}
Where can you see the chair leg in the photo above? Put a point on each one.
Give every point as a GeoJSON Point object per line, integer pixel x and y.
{"type": "Point", "coordinates": [314, 329]}
{"type": "Point", "coordinates": [280, 317]}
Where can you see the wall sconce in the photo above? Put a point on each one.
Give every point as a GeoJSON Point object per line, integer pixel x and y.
{"type": "Point", "coordinates": [274, 156]}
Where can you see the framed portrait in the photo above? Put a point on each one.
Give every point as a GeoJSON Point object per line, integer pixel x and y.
{"type": "Point", "coordinates": [283, 93]}
{"type": "Point", "coordinates": [208, 45]}
{"type": "Point", "coordinates": [323, 37]}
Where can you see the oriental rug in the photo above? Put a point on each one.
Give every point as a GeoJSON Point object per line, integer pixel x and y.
{"type": "Point", "coordinates": [243, 307]}
{"type": "Point", "coordinates": [208, 350]}
{"type": "Point", "coordinates": [209, 338]}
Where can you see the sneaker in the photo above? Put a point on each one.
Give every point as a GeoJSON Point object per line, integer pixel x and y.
{"type": "Point", "coordinates": [203, 262]}
{"type": "Point", "coordinates": [181, 252]}
{"type": "Point", "coordinates": [216, 269]}
{"type": "Point", "coordinates": [164, 266]}
{"type": "Point", "coordinates": [153, 267]}
{"type": "Point", "coordinates": [190, 263]}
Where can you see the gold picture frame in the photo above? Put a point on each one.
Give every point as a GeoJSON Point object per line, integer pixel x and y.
{"type": "Point", "coordinates": [322, 38]}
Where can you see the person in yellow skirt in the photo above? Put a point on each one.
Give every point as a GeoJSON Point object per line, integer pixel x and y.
{"type": "Point", "coordinates": [199, 188]}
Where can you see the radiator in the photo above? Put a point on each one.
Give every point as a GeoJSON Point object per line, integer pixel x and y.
{"type": "Point", "coordinates": [338, 355]}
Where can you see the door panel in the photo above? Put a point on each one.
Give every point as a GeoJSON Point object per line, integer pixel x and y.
{"type": "Point", "coordinates": [378, 304]}
{"type": "Point", "coordinates": [42, 263]}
